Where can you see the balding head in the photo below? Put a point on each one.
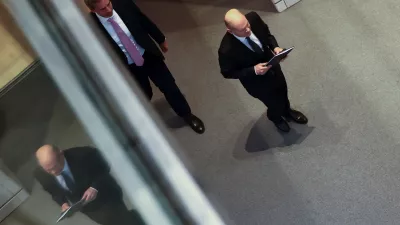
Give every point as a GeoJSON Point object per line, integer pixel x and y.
{"type": "Point", "coordinates": [51, 159]}
{"type": "Point", "coordinates": [237, 23]}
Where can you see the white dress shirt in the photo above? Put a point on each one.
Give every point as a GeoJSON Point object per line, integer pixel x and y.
{"type": "Point", "coordinates": [107, 25]}
{"type": "Point", "coordinates": [253, 38]}
{"type": "Point", "coordinates": [245, 42]}
{"type": "Point", "coordinates": [60, 178]}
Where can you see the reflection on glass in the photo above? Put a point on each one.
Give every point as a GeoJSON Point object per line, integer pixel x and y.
{"type": "Point", "coordinates": [53, 176]}
{"type": "Point", "coordinates": [81, 174]}
{"type": "Point", "coordinates": [155, 182]}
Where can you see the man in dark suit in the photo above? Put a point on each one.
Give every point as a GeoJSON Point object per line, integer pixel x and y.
{"type": "Point", "coordinates": [132, 35]}
{"type": "Point", "coordinates": [81, 173]}
{"type": "Point", "coordinates": [244, 52]}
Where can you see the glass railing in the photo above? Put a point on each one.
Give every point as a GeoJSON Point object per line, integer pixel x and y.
{"type": "Point", "coordinates": [114, 163]}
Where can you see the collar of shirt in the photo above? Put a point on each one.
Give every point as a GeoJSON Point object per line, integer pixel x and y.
{"type": "Point", "coordinates": [105, 19]}
{"type": "Point", "coordinates": [252, 37]}
{"type": "Point", "coordinates": [60, 179]}
{"type": "Point", "coordinates": [242, 39]}
{"type": "Point", "coordinates": [66, 169]}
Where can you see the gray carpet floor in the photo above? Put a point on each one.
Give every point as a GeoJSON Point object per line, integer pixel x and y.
{"type": "Point", "coordinates": [342, 168]}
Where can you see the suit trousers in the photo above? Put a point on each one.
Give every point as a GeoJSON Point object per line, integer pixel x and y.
{"type": "Point", "coordinates": [154, 69]}
{"type": "Point", "coordinates": [114, 213]}
{"type": "Point", "coordinates": [271, 89]}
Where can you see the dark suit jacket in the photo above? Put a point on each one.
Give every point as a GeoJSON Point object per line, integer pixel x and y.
{"type": "Point", "coordinates": [237, 61]}
{"type": "Point", "coordinates": [89, 170]}
{"type": "Point", "coordinates": [141, 27]}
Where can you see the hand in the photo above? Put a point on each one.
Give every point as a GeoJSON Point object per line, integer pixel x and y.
{"type": "Point", "coordinates": [90, 194]}
{"type": "Point", "coordinates": [164, 47]}
{"type": "Point", "coordinates": [277, 50]}
{"type": "Point", "coordinates": [261, 68]}
{"type": "Point", "coordinates": [64, 207]}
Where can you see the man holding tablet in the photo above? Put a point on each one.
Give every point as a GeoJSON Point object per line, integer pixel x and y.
{"type": "Point", "coordinates": [244, 53]}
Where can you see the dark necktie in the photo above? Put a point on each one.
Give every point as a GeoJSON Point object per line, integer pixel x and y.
{"type": "Point", "coordinates": [68, 181]}
{"type": "Point", "coordinates": [257, 49]}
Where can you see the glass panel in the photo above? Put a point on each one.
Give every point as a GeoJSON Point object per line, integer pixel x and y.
{"type": "Point", "coordinates": [122, 166]}
{"type": "Point", "coordinates": [15, 53]}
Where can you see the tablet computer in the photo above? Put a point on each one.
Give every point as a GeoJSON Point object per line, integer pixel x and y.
{"type": "Point", "coordinates": [71, 210]}
{"type": "Point", "coordinates": [278, 58]}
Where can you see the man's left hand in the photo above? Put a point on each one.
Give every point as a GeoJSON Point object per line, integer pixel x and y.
{"type": "Point", "coordinates": [164, 47]}
{"type": "Point", "coordinates": [277, 50]}
{"type": "Point", "coordinates": [90, 194]}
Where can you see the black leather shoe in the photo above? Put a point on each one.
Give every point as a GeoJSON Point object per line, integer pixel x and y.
{"type": "Point", "coordinates": [195, 123]}
{"type": "Point", "coordinates": [282, 125]}
{"type": "Point", "coordinates": [297, 117]}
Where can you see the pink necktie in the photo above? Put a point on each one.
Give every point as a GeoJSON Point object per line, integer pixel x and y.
{"type": "Point", "coordinates": [130, 47]}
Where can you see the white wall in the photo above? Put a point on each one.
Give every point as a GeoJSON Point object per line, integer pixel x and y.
{"type": "Point", "coordinates": [282, 5]}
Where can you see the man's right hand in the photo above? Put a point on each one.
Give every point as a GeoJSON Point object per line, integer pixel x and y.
{"type": "Point", "coordinates": [261, 68]}
{"type": "Point", "coordinates": [64, 207]}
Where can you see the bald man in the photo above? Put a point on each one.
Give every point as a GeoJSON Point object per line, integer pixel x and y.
{"type": "Point", "coordinates": [81, 173]}
{"type": "Point", "coordinates": [243, 54]}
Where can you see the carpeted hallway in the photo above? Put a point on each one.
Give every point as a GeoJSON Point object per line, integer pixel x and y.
{"type": "Point", "coordinates": [343, 168]}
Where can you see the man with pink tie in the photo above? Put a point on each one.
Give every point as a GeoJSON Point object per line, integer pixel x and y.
{"type": "Point", "coordinates": [133, 35]}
